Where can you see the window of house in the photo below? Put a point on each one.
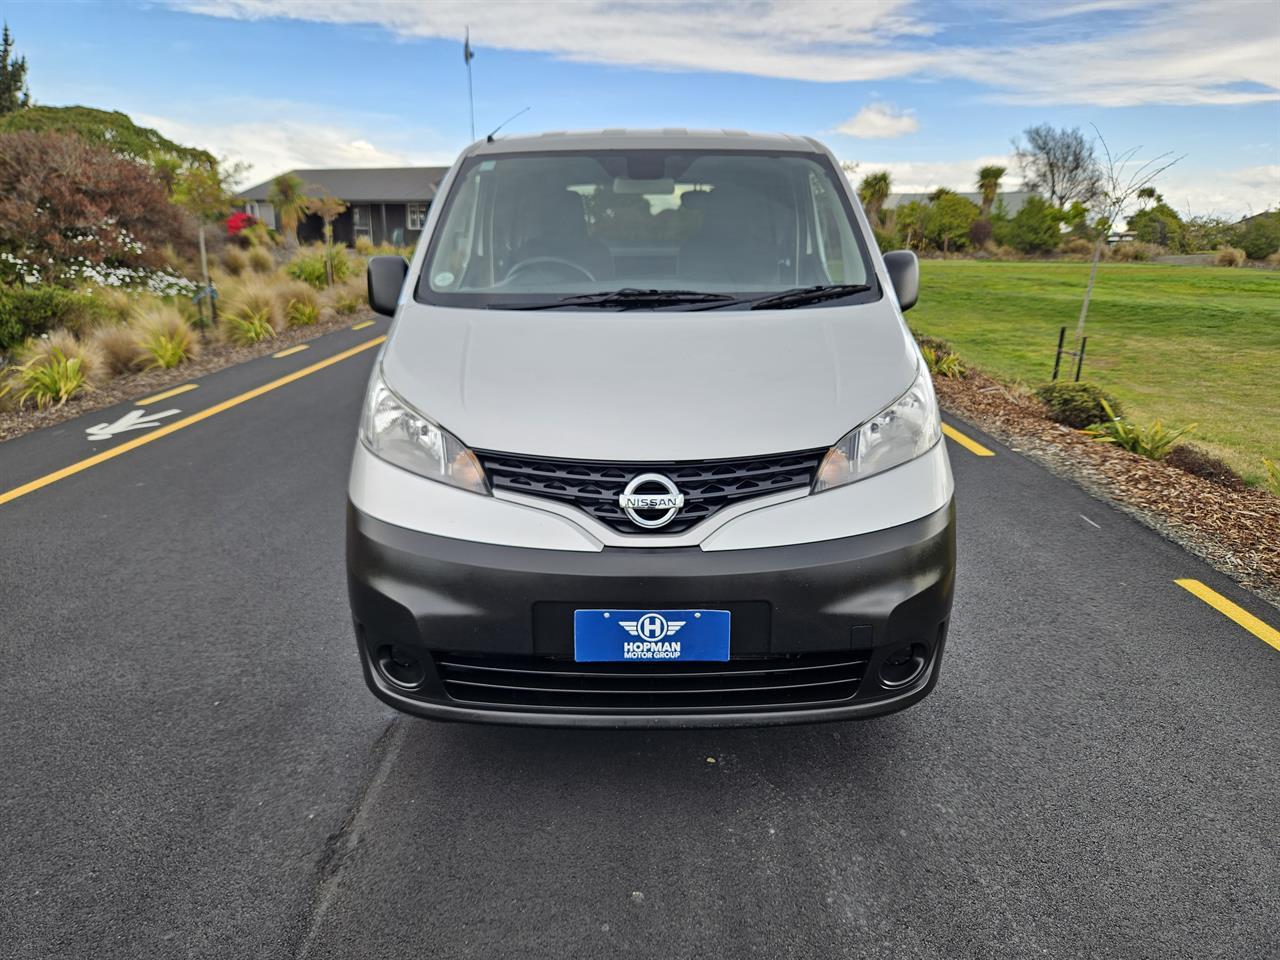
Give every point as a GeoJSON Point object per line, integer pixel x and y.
{"type": "Point", "coordinates": [417, 216]}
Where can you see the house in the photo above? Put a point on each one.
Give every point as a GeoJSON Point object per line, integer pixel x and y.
{"type": "Point", "coordinates": [387, 205]}
{"type": "Point", "coordinates": [1011, 201]}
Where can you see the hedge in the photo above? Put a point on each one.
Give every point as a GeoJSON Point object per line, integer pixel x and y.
{"type": "Point", "coordinates": [30, 311]}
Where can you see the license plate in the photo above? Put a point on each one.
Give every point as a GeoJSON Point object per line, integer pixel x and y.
{"type": "Point", "coordinates": [643, 636]}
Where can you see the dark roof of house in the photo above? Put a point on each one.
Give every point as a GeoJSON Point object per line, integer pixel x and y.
{"type": "Point", "coordinates": [363, 185]}
{"type": "Point", "coordinates": [1013, 200]}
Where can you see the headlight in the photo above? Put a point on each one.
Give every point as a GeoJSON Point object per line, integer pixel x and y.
{"type": "Point", "coordinates": [397, 433]}
{"type": "Point", "coordinates": [900, 432]}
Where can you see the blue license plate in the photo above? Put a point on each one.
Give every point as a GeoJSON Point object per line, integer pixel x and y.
{"type": "Point", "coordinates": [642, 636]}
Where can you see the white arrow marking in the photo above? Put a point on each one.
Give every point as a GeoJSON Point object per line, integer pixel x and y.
{"type": "Point", "coordinates": [133, 420]}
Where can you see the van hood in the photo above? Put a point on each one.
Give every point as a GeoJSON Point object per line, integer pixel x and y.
{"type": "Point", "coordinates": [641, 385]}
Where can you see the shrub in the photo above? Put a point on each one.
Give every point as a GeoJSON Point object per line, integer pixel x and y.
{"type": "Point", "coordinates": [886, 240]}
{"type": "Point", "coordinates": [256, 298]}
{"type": "Point", "coordinates": [1076, 404]}
{"type": "Point", "coordinates": [1202, 464]}
{"type": "Point", "coordinates": [106, 210]}
{"type": "Point", "coordinates": [31, 311]}
{"type": "Point", "coordinates": [365, 246]}
{"type": "Point", "coordinates": [300, 302]}
{"type": "Point", "coordinates": [53, 369]}
{"type": "Point", "coordinates": [118, 346]}
{"type": "Point", "coordinates": [1229, 257]}
{"type": "Point", "coordinates": [1261, 235]}
{"type": "Point", "coordinates": [234, 261]}
{"type": "Point", "coordinates": [1033, 230]}
{"type": "Point", "coordinates": [1153, 441]}
{"type": "Point", "coordinates": [942, 364]}
{"type": "Point", "coordinates": [309, 266]}
{"type": "Point", "coordinates": [261, 261]}
{"type": "Point", "coordinates": [247, 326]}
{"type": "Point", "coordinates": [1132, 251]}
{"type": "Point", "coordinates": [1274, 258]}
{"type": "Point", "coordinates": [1076, 247]}
{"type": "Point", "coordinates": [350, 297]}
{"type": "Point", "coordinates": [164, 337]}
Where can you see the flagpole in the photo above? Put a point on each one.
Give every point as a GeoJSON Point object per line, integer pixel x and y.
{"type": "Point", "coordinates": [471, 97]}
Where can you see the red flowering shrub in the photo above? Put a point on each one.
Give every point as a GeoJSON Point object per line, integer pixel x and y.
{"type": "Point", "coordinates": [238, 221]}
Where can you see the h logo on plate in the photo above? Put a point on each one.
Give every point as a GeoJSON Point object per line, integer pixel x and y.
{"type": "Point", "coordinates": [652, 627]}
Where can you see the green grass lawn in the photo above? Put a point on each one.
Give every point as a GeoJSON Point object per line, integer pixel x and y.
{"type": "Point", "coordinates": [1180, 344]}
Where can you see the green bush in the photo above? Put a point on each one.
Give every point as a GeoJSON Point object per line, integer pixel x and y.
{"type": "Point", "coordinates": [1076, 404]}
{"type": "Point", "coordinates": [30, 311]}
{"type": "Point", "coordinates": [247, 326]}
{"type": "Point", "coordinates": [1261, 236]}
{"type": "Point", "coordinates": [1153, 441]}
{"type": "Point", "coordinates": [309, 266]}
{"type": "Point", "coordinates": [1033, 230]}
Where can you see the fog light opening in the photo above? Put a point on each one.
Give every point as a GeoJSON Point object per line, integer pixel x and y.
{"type": "Point", "coordinates": [903, 665]}
{"type": "Point", "coordinates": [400, 667]}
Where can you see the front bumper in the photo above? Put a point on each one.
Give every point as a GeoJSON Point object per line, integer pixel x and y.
{"type": "Point", "coordinates": [813, 627]}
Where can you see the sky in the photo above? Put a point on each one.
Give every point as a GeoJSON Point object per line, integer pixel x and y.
{"type": "Point", "coordinates": [927, 89]}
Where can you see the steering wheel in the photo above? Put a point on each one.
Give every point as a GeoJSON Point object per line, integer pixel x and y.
{"type": "Point", "coordinates": [516, 268]}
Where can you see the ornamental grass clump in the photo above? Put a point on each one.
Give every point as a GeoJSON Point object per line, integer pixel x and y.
{"type": "Point", "coordinates": [118, 346]}
{"type": "Point", "coordinates": [51, 370]}
{"type": "Point", "coordinates": [942, 363]}
{"type": "Point", "coordinates": [301, 303]}
{"type": "Point", "coordinates": [1229, 257]}
{"type": "Point", "coordinates": [164, 337]}
{"type": "Point", "coordinates": [261, 261]}
{"type": "Point", "coordinates": [1153, 441]}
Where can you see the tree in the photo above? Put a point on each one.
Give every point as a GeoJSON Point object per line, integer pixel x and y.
{"type": "Point", "coordinates": [873, 191]}
{"type": "Point", "coordinates": [1261, 236]}
{"type": "Point", "coordinates": [1118, 181]}
{"type": "Point", "coordinates": [953, 215]}
{"type": "Point", "coordinates": [1159, 225]}
{"type": "Point", "coordinates": [66, 204]}
{"type": "Point", "coordinates": [114, 131]}
{"type": "Point", "coordinates": [1034, 229]}
{"type": "Point", "coordinates": [205, 193]}
{"type": "Point", "coordinates": [328, 208]}
{"type": "Point", "coordinates": [14, 94]}
{"type": "Point", "coordinates": [989, 185]}
{"type": "Point", "coordinates": [290, 204]}
{"type": "Point", "coordinates": [1060, 164]}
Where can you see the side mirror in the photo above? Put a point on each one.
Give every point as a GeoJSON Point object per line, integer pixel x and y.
{"type": "Point", "coordinates": [386, 277]}
{"type": "Point", "coordinates": [904, 271]}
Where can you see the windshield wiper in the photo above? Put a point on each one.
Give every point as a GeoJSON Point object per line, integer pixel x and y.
{"type": "Point", "coordinates": [802, 296]}
{"type": "Point", "coordinates": [626, 297]}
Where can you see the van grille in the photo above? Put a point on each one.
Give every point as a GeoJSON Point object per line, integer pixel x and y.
{"type": "Point", "coordinates": [543, 683]}
{"type": "Point", "coordinates": [707, 485]}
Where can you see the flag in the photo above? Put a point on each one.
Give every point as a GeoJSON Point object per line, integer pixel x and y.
{"type": "Point", "coordinates": [467, 53]}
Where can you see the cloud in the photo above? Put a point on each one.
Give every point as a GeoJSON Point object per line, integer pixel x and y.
{"type": "Point", "coordinates": [1101, 52]}
{"type": "Point", "coordinates": [880, 121]}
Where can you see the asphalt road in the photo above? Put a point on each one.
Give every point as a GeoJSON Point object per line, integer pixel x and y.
{"type": "Point", "coordinates": [191, 765]}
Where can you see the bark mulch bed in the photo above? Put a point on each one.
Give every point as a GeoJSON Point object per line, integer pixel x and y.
{"type": "Point", "coordinates": [214, 356]}
{"type": "Point", "coordinates": [1235, 530]}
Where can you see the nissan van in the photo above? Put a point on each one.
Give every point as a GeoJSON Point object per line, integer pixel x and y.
{"type": "Point", "coordinates": [649, 444]}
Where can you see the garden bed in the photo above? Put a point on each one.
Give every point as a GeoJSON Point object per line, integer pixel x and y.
{"type": "Point", "coordinates": [1234, 529]}
{"type": "Point", "coordinates": [214, 356]}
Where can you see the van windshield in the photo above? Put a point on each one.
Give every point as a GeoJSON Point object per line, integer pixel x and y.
{"type": "Point", "coordinates": [539, 227]}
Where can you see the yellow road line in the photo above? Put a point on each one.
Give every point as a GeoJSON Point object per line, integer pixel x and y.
{"type": "Point", "coordinates": [290, 352]}
{"type": "Point", "coordinates": [177, 425]}
{"type": "Point", "coordinates": [362, 324]}
{"type": "Point", "coordinates": [157, 397]}
{"type": "Point", "coordinates": [973, 446]}
{"type": "Point", "coordinates": [1267, 634]}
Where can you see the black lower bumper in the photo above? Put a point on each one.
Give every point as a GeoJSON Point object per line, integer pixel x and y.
{"type": "Point", "coordinates": [457, 630]}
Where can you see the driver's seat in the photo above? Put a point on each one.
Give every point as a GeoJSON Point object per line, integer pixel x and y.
{"type": "Point", "coordinates": [557, 228]}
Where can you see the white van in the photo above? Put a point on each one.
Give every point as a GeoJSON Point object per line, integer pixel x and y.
{"type": "Point", "coordinates": [649, 444]}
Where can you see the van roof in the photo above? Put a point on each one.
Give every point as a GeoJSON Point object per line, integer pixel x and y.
{"type": "Point", "coordinates": [665, 139]}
